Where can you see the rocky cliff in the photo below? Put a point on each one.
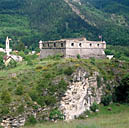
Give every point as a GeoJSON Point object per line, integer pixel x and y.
{"type": "Point", "coordinates": [81, 94]}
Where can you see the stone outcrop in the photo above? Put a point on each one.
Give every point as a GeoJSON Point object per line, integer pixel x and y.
{"type": "Point", "coordinates": [17, 122]}
{"type": "Point", "coordinates": [81, 94]}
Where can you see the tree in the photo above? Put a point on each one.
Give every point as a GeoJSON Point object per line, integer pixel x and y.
{"type": "Point", "coordinates": [122, 91]}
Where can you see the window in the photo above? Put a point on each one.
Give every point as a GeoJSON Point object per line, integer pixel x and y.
{"type": "Point", "coordinates": [43, 45]}
{"type": "Point", "coordinates": [80, 44]}
{"type": "Point", "coordinates": [90, 45]}
{"type": "Point", "coordinates": [54, 44]}
{"type": "Point", "coordinates": [72, 44]}
{"type": "Point", "coordinates": [61, 44]}
{"type": "Point", "coordinates": [98, 45]}
{"type": "Point", "coordinates": [48, 45]}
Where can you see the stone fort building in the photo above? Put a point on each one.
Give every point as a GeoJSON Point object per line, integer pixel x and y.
{"type": "Point", "coordinates": [73, 47]}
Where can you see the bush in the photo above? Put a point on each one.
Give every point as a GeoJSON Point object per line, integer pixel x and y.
{"type": "Point", "coordinates": [122, 91]}
{"type": "Point", "coordinates": [94, 107]}
{"type": "Point", "coordinates": [29, 62]}
{"type": "Point", "coordinates": [92, 60]}
{"type": "Point", "coordinates": [106, 100]}
{"type": "Point", "coordinates": [31, 120]}
{"type": "Point", "coordinates": [78, 56]}
{"type": "Point", "coordinates": [2, 65]}
{"type": "Point", "coordinates": [68, 71]}
{"type": "Point", "coordinates": [56, 114]}
{"type": "Point", "coordinates": [5, 96]}
{"type": "Point", "coordinates": [20, 109]}
{"type": "Point", "coordinates": [19, 90]}
{"type": "Point", "coordinates": [4, 110]}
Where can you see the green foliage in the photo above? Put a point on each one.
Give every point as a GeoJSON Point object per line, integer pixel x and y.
{"type": "Point", "coordinates": [20, 109]}
{"type": "Point", "coordinates": [99, 81]}
{"type": "Point", "coordinates": [31, 120]}
{"type": "Point", "coordinates": [122, 91]}
{"type": "Point", "coordinates": [78, 56]}
{"type": "Point", "coordinates": [18, 21]}
{"type": "Point", "coordinates": [19, 90]}
{"type": "Point", "coordinates": [12, 64]}
{"type": "Point", "coordinates": [29, 62]}
{"type": "Point", "coordinates": [56, 114]}
{"type": "Point", "coordinates": [94, 107]}
{"type": "Point", "coordinates": [92, 60]}
{"type": "Point", "coordinates": [119, 52]}
{"type": "Point", "coordinates": [106, 100]}
{"type": "Point", "coordinates": [4, 110]}
{"type": "Point", "coordinates": [1, 61]}
{"type": "Point", "coordinates": [19, 46]}
{"type": "Point", "coordinates": [68, 71]}
{"type": "Point", "coordinates": [5, 96]}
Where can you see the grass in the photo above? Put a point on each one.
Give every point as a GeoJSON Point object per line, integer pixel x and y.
{"type": "Point", "coordinates": [117, 118]}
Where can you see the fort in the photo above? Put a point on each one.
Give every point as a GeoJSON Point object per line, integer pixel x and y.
{"type": "Point", "coordinates": [70, 48]}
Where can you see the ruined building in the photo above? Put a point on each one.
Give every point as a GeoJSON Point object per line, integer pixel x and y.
{"type": "Point", "coordinates": [73, 47]}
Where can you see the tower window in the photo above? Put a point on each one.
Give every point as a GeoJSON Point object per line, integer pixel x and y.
{"type": "Point", "coordinates": [80, 44]}
{"type": "Point", "coordinates": [54, 44]}
{"type": "Point", "coordinates": [72, 44]}
{"type": "Point", "coordinates": [61, 44]}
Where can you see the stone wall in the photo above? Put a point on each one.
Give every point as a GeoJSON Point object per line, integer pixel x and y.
{"type": "Point", "coordinates": [49, 52]}
{"type": "Point", "coordinates": [85, 53]}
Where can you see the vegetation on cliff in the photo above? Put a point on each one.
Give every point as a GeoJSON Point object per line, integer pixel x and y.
{"type": "Point", "coordinates": [42, 83]}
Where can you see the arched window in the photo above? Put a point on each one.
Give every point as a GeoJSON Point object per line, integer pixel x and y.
{"type": "Point", "coordinates": [54, 44]}
{"type": "Point", "coordinates": [62, 45]}
{"type": "Point", "coordinates": [72, 44]}
{"type": "Point", "coordinates": [80, 44]}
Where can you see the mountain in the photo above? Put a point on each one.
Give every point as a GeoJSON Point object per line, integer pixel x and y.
{"type": "Point", "coordinates": [32, 20]}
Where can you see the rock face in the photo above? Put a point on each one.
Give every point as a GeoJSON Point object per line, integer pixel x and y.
{"type": "Point", "coordinates": [13, 122]}
{"type": "Point", "coordinates": [81, 94]}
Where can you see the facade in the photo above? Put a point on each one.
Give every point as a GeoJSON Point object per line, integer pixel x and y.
{"type": "Point", "coordinates": [73, 47]}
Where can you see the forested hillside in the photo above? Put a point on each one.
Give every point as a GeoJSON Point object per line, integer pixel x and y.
{"type": "Point", "coordinates": [29, 21]}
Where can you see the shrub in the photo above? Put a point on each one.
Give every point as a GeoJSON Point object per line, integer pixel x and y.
{"type": "Point", "coordinates": [56, 114]}
{"type": "Point", "coordinates": [106, 100]}
{"type": "Point", "coordinates": [78, 56]}
{"type": "Point", "coordinates": [4, 110]}
{"type": "Point", "coordinates": [19, 90]}
{"type": "Point", "coordinates": [68, 71]}
{"type": "Point", "coordinates": [92, 60]}
{"type": "Point", "coordinates": [29, 62]}
{"type": "Point", "coordinates": [20, 109]}
{"type": "Point", "coordinates": [94, 107]}
{"type": "Point", "coordinates": [5, 96]}
{"type": "Point", "coordinates": [98, 81]}
{"type": "Point", "coordinates": [32, 120]}
{"type": "Point", "coordinates": [50, 100]}
{"type": "Point", "coordinates": [122, 91]}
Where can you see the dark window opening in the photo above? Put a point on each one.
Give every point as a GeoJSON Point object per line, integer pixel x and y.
{"type": "Point", "coordinates": [61, 44]}
{"type": "Point", "coordinates": [43, 45]}
{"type": "Point", "coordinates": [48, 45]}
{"type": "Point", "coordinates": [54, 44]}
{"type": "Point", "coordinates": [72, 44]}
{"type": "Point", "coordinates": [90, 45]}
{"type": "Point", "coordinates": [98, 45]}
{"type": "Point", "coordinates": [80, 44]}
